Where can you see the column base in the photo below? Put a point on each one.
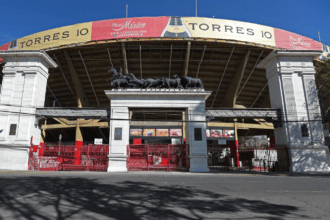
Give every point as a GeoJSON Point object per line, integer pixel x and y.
{"type": "Point", "coordinates": [14, 158]}
{"type": "Point", "coordinates": [310, 159]}
{"type": "Point", "coordinates": [117, 163]}
{"type": "Point", "coordinates": [198, 164]}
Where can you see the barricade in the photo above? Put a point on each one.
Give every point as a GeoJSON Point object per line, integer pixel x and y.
{"type": "Point", "coordinates": [158, 157]}
{"type": "Point", "coordinates": [65, 157]}
{"type": "Point", "coordinates": [137, 157]}
{"type": "Point", "coordinates": [48, 163]}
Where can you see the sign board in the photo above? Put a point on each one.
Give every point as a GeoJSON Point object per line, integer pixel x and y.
{"type": "Point", "coordinates": [222, 141]}
{"type": "Point", "coordinates": [198, 134]}
{"type": "Point", "coordinates": [98, 141]}
{"type": "Point", "coordinates": [176, 141]}
{"type": "Point", "coordinates": [163, 27]}
{"type": "Point", "coordinates": [12, 130]}
{"type": "Point", "coordinates": [118, 134]}
{"type": "Point", "coordinates": [258, 141]}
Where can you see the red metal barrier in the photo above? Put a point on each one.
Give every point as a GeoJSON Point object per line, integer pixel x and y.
{"type": "Point", "coordinates": [137, 157]}
{"type": "Point", "coordinates": [67, 157]}
{"type": "Point", "coordinates": [33, 159]}
{"type": "Point", "coordinates": [48, 164]}
{"type": "Point", "coordinates": [156, 157]}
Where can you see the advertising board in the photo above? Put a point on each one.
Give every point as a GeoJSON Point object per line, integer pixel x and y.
{"type": "Point", "coordinates": [157, 27]}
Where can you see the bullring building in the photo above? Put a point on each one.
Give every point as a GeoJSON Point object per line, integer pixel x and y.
{"type": "Point", "coordinates": [162, 93]}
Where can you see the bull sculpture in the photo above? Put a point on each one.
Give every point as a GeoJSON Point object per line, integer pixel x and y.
{"type": "Point", "coordinates": [195, 83]}
{"type": "Point", "coordinates": [119, 81]}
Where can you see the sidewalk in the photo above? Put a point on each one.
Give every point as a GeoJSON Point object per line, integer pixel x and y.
{"type": "Point", "coordinates": [244, 173]}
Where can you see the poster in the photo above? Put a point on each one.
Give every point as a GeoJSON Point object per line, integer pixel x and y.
{"type": "Point", "coordinates": [128, 28]}
{"type": "Point", "coordinates": [161, 132]}
{"type": "Point", "coordinates": [258, 141]}
{"type": "Point", "coordinates": [136, 132]}
{"type": "Point", "coordinates": [291, 41]}
{"type": "Point", "coordinates": [176, 132]}
{"type": "Point", "coordinates": [149, 132]}
{"type": "Point", "coordinates": [118, 134]}
{"type": "Point", "coordinates": [228, 133]}
{"type": "Point", "coordinates": [207, 132]}
{"type": "Point", "coordinates": [216, 133]}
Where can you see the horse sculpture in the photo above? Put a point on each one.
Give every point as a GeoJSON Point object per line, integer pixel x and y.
{"type": "Point", "coordinates": [172, 83]}
{"type": "Point", "coordinates": [153, 83]}
{"type": "Point", "coordinates": [118, 80]}
{"type": "Point", "coordinates": [135, 82]}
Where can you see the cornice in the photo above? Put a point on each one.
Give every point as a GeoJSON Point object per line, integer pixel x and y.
{"type": "Point", "coordinates": [29, 53]}
{"type": "Point", "coordinates": [288, 53]}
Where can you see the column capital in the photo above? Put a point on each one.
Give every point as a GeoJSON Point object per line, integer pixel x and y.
{"type": "Point", "coordinates": [288, 53]}
{"type": "Point", "coordinates": [17, 54]}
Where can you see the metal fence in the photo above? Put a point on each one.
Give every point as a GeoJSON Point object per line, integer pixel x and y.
{"type": "Point", "coordinates": [144, 157]}
{"type": "Point", "coordinates": [269, 159]}
{"type": "Point", "coordinates": [70, 157]}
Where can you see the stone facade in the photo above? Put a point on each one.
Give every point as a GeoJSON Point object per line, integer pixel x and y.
{"type": "Point", "coordinates": [292, 88]}
{"type": "Point", "coordinates": [191, 100]}
{"type": "Point", "coordinates": [23, 90]}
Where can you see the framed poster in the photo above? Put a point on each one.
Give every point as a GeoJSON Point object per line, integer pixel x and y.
{"type": "Point", "coordinates": [12, 129]}
{"type": "Point", "coordinates": [197, 134]}
{"type": "Point", "coordinates": [147, 132]}
{"type": "Point", "coordinates": [162, 132]}
{"type": "Point", "coordinates": [176, 132]}
{"type": "Point", "coordinates": [135, 132]}
{"type": "Point", "coordinates": [208, 133]}
{"type": "Point", "coordinates": [228, 133]}
{"type": "Point", "coordinates": [118, 134]}
{"type": "Point", "coordinates": [216, 133]}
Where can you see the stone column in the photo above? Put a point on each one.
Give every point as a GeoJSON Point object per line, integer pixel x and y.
{"type": "Point", "coordinates": [119, 138]}
{"type": "Point", "coordinates": [24, 85]}
{"type": "Point", "coordinates": [196, 137]}
{"type": "Point", "coordinates": [292, 88]}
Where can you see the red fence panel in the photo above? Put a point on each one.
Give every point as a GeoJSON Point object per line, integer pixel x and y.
{"type": "Point", "coordinates": [48, 163]}
{"type": "Point", "coordinates": [146, 157]}
{"type": "Point", "coordinates": [67, 157]}
{"type": "Point", "coordinates": [137, 157]}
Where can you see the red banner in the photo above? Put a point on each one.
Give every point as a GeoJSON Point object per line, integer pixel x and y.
{"type": "Point", "coordinates": [129, 28]}
{"type": "Point", "coordinates": [292, 41]}
{"type": "Point", "coordinates": [4, 47]}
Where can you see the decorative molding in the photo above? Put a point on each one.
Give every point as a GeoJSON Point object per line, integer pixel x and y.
{"type": "Point", "coordinates": [29, 53]}
{"type": "Point", "coordinates": [288, 53]}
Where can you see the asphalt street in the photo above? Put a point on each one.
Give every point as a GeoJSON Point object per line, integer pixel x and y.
{"type": "Point", "coordinates": [162, 195]}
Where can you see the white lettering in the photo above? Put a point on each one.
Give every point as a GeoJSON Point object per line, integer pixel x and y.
{"type": "Point", "coordinates": [127, 25]}
{"type": "Point", "coordinates": [299, 42]}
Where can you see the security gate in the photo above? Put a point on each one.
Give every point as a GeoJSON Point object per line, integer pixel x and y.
{"type": "Point", "coordinates": [146, 157]}
{"type": "Point", "coordinates": [268, 159]}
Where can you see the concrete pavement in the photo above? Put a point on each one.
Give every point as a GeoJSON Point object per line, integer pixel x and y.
{"type": "Point", "coordinates": [162, 195]}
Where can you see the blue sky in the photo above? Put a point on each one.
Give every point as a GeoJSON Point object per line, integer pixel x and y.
{"type": "Point", "coordinates": [305, 17]}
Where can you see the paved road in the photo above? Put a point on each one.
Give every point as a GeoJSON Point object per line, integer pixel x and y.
{"type": "Point", "coordinates": [141, 195]}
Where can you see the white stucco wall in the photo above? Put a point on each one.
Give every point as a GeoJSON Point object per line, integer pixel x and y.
{"type": "Point", "coordinates": [292, 88]}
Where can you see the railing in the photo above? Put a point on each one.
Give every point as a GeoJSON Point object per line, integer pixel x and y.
{"type": "Point", "coordinates": [269, 159]}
